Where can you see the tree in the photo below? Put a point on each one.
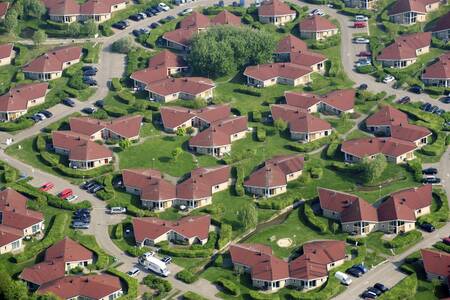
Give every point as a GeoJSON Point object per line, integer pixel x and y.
{"type": "Point", "coordinates": [90, 28]}
{"type": "Point", "coordinates": [248, 216]}
{"type": "Point", "coordinates": [39, 37]}
{"type": "Point", "coordinates": [176, 153]}
{"type": "Point", "coordinates": [125, 144]}
{"type": "Point", "coordinates": [11, 21]}
{"type": "Point", "coordinates": [373, 168]}
{"type": "Point", "coordinates": [280, 124]}
{"type": "Point", "coordinates": [33, 8]}
{"type": "Point", "coordinates": [74, 29]}
{"type": "Point", "coordinates": [123, 45]}
{"type": "Point", "coordinates": [224, 49]}
{"type": "Point", "coordinates": [181, 131]}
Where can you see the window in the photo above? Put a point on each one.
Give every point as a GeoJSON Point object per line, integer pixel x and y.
{"type": "Point", "coordinates": [15, 244]}
{"type": "Point", "coordinates": [35, 228]}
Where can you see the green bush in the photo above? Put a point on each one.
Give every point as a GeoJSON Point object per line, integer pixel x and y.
{"type": "Point", "coordinates": [356, 240]}
{"type": "Point", "coordinates": [118, 233]}
{"type": "Point", "coordinates": [256, 116]}
{"type": "Point", "coordinates": [116, 85]}
{"type": "Point", "coordinates": [365, 69]}
{"type": "Point", "coordinates": [186, 276]}
{"type": "Point", "coordinates": [229, 286]}
{"type": "Point", "coordinates": [255, 295]}
{"type": "Point", "coordinates": [192, 296]}
{"type": "Point", "coordinates": [185, 252]}
{"type": "Point", "coordinates": [115, 111]}
{"type": "Point", "coordinates": [238, 185]}
{"type": "Point", "coordinates": [89, 242]}
{"type": "Point", "coordinates": [332, 149]}
{"type": "Point", "coordinates": [316, 173]}
{"type": "Point", "coordinates": [126, 97]}
{"type": "Point", "coordinates": [156, 283]}
{"type": "Point", "coordinates": [247, 92]}
{"type": "Point", "coordinates": [308, 147]}
{"type": "Point", "coordinates": [225, 235]}
{"type": "Point", "coordinates": [260, 134]}
{"type": "Point", "coordinates": [442, 246]}
{"type": "Point", "coordinates": [10, 174]}
{"type": "Point", "coordinates": [438, 147]}
{"type": "Point", "coordinates": [20, 124]}
{"type": "Point", "coordinates": [441, 215]}
{"type": "Point", "coordinates": [415, 166]}
{"type": "Point", "coordinates": [132, 285]}
{"type": "Point", "coordinates": [218, 262]}
{"type": "Point", "coordinates": [278, 202]}
{"type": "Point", "coordinates": [313, 220]}
{"type": "Point", "coordinates": [405, 239]}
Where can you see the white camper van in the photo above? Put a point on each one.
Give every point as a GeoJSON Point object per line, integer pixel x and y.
{"type": "Point", "coordinates": [155, 265]}
{"type": "Point", "coordinates": [343, 278]}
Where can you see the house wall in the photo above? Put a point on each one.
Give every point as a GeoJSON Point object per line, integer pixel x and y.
{"type": "Point", "coordinates": [335, 264]}
{"type": "Point", "coordinates": [318, 35]}
{"type": "Point", "coordinates": [361, 4]}
{"type": "Point", "coordinates": [159, 205]}
{"type": "Point", "coordinates": [70, 63]}
{"type": "Point", "coordinates": [220, 187]}
{"type": "Point", "coordinates": [43, 76]}
{"type": "Point", "coordinates": [331, 214]}
{"type": "Point", "coordinates": [381, 129]}
{"type": "Point", "coordinates": [352, 227]}
{"type": "Point", "coordinates": [186, 124]}
{"type": "Point", "coordinates": [277, 20]}
{"type": "Point", "coordinates": [95, 163]}
{"type": "Point", "coordinates": [309, 137]}
{"type": "Point", "coordinates": [402, 158]}
{"type": "Point", "coordinates": [431, 276]}
{"type": "Point", "coordinates": [334, 110]}
{"type": "Point", "coordinates": [175, 46]}
{"type": "Point", "coordinates": [38, 228]}
{"type": "Point", "coordinates": [264, 192]}
{"type": "Point", "coordinates": [118, 6]}
{"type": "Point", "coordinates": [421, 142]}
{"type": "Point", "coordinates": [398, 63]}
{"type": "Point", "coordinates": [305, 284]}
{"type": "Point", "coordinates": [422, 211]}
{"type": "Point", "coordinates": [443, 34]}
{"type": "Point", "coordinates": [294, 175]}
{"type": "Point", "coordinates": [132, 190]}
{"type": "Point", "coordinates": [392, 226]}
{"type": "Point", "coordinates": [269, 285]}
{"type": "Point", "coordinates": [445, 82]}
{"type": "Point", "coordinates": [194, 203]}
{"type": "Point", "coordinates": [238, 136]}
{"type": "Point", "coordinates": [9, 247]}
{"type": "Point", "coordinates": [114, 295]}
{"type": "Point", "coordinates": [64, 19]}
{"type": "Point", "coordinates": [5, 61]}
{"type": "Point", "coordinates": [11, 116]}
{"type": "Point", "coordinates": [302, 80]}
{"type": "Point", "coordinates": [214, 151]}
{"type": "Point", "coordinates": [407, 18]}
{"type": "Point", "coordinates": [73, 264]}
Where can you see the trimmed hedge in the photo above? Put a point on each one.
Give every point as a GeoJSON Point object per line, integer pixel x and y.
{"type": "Point", "coordinates": [239, 184]}
{"type": "Point", "coordinates": [229, 286]}
{"type": "Point", "coordinates": [442, 246]}
{"type": "Point", "coordinates": [278, 202]}
{"type": "Point", "coordinates": [126, 97]}
{"type": "Point", "coordinates": [308, 147]}
{"type": "Point", "coordinates": [332, 149]}
{"type": "Point", "coordinates": [186, 276]}
{"type": "Point", "coordinates": [247, 92]}
{"type": "Point", "coordinates": [115, 111]}
{"type": "Point", "coordinates": [156, 283]}
{"type": "Point", "coordinates": [442, 214]}
{"type": "Point", "coordinates": [256, 116]}
{"type": "Point", "coordinates": [89, 242]}
{"type": "Point", "coordinates": [255, 295]}
{"type": "Point", "coordinates": [225, 235]}
{"type": "Point", "coordinates": [353, 240]}
{"type": "Point", "coordinates": [116, 85]}
{"type": "Point", "coordinates": [415, 166]}
{"type": "Point", "coordinates": [19, 124]}
{"type": "Point", "coordinates": [192, 296]}
{"type": "Point", "coordinates": [260, 134]}
{"type": "Point", "coordinates": [132, 284]}
{"type": "Point", "coordinates": [405, 239]}
{"type": "Point", "coordinates": [314, 221]}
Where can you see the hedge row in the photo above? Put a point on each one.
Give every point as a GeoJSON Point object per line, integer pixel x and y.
{"type": "Point", "coordinates": [126, 97]}
{"type": "Point", "coordinates": [56, 233]}
{"type": "Point", "coordinates": [405, 289]}
{"type": "Point", "coordinates": [332, 149]}
{"type": "Point", "coordinates": [192, 296]}
{"type": "Point", "coordinates": [10, 174]}
{"type": "Point", "coordinates": [311, 146]}
{"type": "Point", "coordinates": [89, 242]}
{"type": "Point", "coordinates": [248, 92]}
{"type": "Point", "coordinates": [186, 276]}
{"type": "Point", "coordinates": [331, 289]}
{"type": "Point", "coordinates": [442, 246]}
{"type": "Point", "coordinates": [314, 221]}
{"type": "Point", "coordinates": [239, 184]}
{"type": "Point", "coordinates": [116, 85]}
{"type": "Point", "coordinates": [356, 240]}
{"type": "Point", "coordinates": [441, 215]}
{"type": "Point", "coordinates": [20, 124]}
{"type": "Point", "coordinates": [229, 286]}
{"type": "Point", "coordinates": [415, 166]}
{"type": "Point", "coordinates": [132, 284]}
{"type": "Point", "coordinates": [438, 147]}
{"type": "Point", "coordinates": [260, 134]}
{"type": "Point", "coordinates": [405, 239]}
{"type": "Point", "coordinates": [255, 295]}
{"type": "Point", "coordinates": [185, 252]}
{"type": "Point", "coordinates": [156, 283]}
{"type": "Point", "coordinates": [225, 235]}
{"type": "Point", "coordinates": [256, 116]}
{"type": "Point", "coordinates": [115, 111]}
{"type": "Point", "coordinates": [278, 202]}
{"type": "Point", "coordinates": [92, 53]}
{"type": "Point", "coordinates": [108, 192]}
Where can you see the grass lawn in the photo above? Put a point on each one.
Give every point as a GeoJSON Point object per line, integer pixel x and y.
{"type": "Point", "coordinates": [341, 125]}
{"type": "Point", "coordinates": [356, 134]}
{"type": "Point", "coordinates": [7, 74]}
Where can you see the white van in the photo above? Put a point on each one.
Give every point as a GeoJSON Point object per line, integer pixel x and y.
{"type": "Point", "coordinates": [343, 278]}
{"type": "Point", "coordinates": [155, 265]}
{"type": "Point", "coordinates": [117, 210]}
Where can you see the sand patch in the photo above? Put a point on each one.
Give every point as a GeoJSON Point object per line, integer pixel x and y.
{"type": "Point", "coordinates": [284, 243]}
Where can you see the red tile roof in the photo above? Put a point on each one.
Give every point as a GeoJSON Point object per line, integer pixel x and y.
{"type": "Point", "coordinates": [188, 85]}
{"type": "Point", "coordinates": [219, 133]}
{"type": "Point", "coordinates": [387, 116]}
{"type": "Point", "coordinates": [226, 18]}
{"type": "Point", "coordinates": [173, 116]}
{"type": "Point", "coordinates": [307, 58]}
{"type": "Point", "coordinates": [359, 210]}
{"type": "Point", "coordinates": [79, 146]}
{"type": "Point", "coordinates": [298, 119]}
{"type": "Point", "coordinates": [326, 251]}
{"type": "Point", "coordinates": [285, 70]}
{"type": "Point", "coordinates": [274, 171]}
{"type": "Point", "coordinates": [291, 43]}
{"type": "Point", "coordinates": [301, 100]}
{"type": "Point", "coordinates": [44, 272]}
{"type": "Point", "coordinates": [409, 132]}
{"type": "Point", "coordinates": [334, 200]}
{"type": "Point", "coordinates": [181, 36]}
{"type": "Point", "coordinates": [150, 183]}
{"type": "Point", "coordinates": [167, 59]}
{"type": "Point", "coordinates": [343, 100]}
{"type": "Point", "coordinates": [195, 20]}
{"type": "Point", "coordinates": [125, 127]}
{"type": "Point", "coordinates": [270, 268]}
{"type": "Point", "coordinates": [17, 98]}
{"type": "Point", "coordinates": [201, 181]}
{"type": "Point", "coordinates": [68, 250]}
{"type": "Point", "coordinates": [415, 198]}
{"type": "Point", "coordinates": [443, 23]}
{"type": "Point", "coordinates": [403, 6]}
{"type": "Point", "coordinates": [405, 46]}
{"type": "Point", "coordinates": [89, 286]}
{"type": "Point", "coordinates": [71, 7]}
{"type": "Point", "coordinates": [274, 8]}
{"type": "Point", "coordinates": [6, 49]}
{"type": "Point", "coordinates": [150, 75]}
{"type": "Point", "coordinates": [439, 69]}
{"type": "Point", "coordinates": [316, 24]}
{"type": "Point", "coordinates": [189, 227]}
{"type": "Point", "coordinates": [395, 209]}
{"type": "Point", "coordinates": [3, 8]}
{"type": "Point", "coordinates": [436, 262]}
{"type": "Point", "coordinates": [53, 60]}
{"type": "Point", "coordinates": [371, 146]}
{"type": "Point", "coordinates": [8, 235]}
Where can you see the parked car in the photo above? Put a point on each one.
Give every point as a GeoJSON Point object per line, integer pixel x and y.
{"type": "Point", "coordinates": [80, 225]}
{"type": "Point", "coordinates": [363, 87]}
{"type": "Point", "coordinates": [149, 13]}
{"type": "Point", "coordinates": [427, 107]}
{"type": "Point", "coordinates": [360, 24]}
{"type": "Point", "coordinates": [154, 11]}
{"type": "Point", "coordinates": [82, 219]}
{"type": "Point", "coordinates": [170, 18]}
{"type": "Point", "coordinates": [361, 40]}
{"type": "Point", "coordinates": [46, 113]}
{"type": "Point", "coordinates": [47, 186]}
{"type": "Point", "coordinates": [428, 227]}
{"type": "Point", "coordinates": [361, 18]}
{"type": "Point", "coordinates": [364, 53]}
{"type": "Point", "coordinates": [434, 109]}
{"type": "Point", "coordinates": [88, 68]}
{"type": "Point", "coordinates": [163, 6]}
{"type": "Point", "coordinates": [117, 210]}
{"type": "Point", "coordinates": [446, 241]}
{"type": "Point", "coordinates": [87, 185]}
{"type": "Point", "coordinates": [343, 278]}
{"type": "Point", "coordinates": [121, 25]}
{"type": "Point", "coordinates": [89, 110]}
{"type": "Point", "coordinates": [368, 294]}
{"type": "Point", "coordinates": [363, 63]}
{"type": "Point", "coordinates": [68, 102]}
{"type": "Point", "coordinates": [185, 11]}
{"type": "Point", "coordinates": [89, 73]}
{"type": "Point", "coordinates": [404, 100]}
{"type": "Point", "coordinates": [381, 287]}
{"type": "Point", "coordinates": [34, 118]}
{"type": "Point", "coordinates": [430, 171]}
{"type": "Point", "coordinates": [41, 116]}
{"type": "Point", "coordinates": [90, 81]}
{"type": "Point", "coordinates": [99, 103]}
{"type": "Point", "coordinates": [167, 260]}
{"type": "Point", "coordinates": [154, 25]}
{"type": "Point", "coordinates": [416, 89]}
{"type": "Point", "coordinates": [65, 193]}
{"type": "Point", "coordinates": [354, 272]}
{"type": "Point", "coordinates": [71, 198]}
{"type": "Point", "coordinates": [361, 267]}
{"type": "Point", "coordinates": [439, 112]}
{"type": "Point", "coordinates": [133, 272]}
{"type": "Point", "coordinates": [375, 291]}
{"type": "Point", "coordinates": [431, 180]}
{"type": "Point", "coordinates": [95, 189]}
{"type": "Point", "coordinates": [388, 78]}
{"type": "Point", "coordinates": [136, 17]}
{"type": "Point", "coordinates": [445, 100]}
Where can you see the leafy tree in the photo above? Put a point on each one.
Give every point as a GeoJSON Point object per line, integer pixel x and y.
{"type": "Point", "coordinates": [11, 21]}
{"type": "Point", "coordinates": [181, 131]}
{"type": "Point", "coordinates": [373, 168]}
{"type": "Point", "coordinates": [33, 8]}
{"type": "Point", "coordinates": [124, 45]}
{"type": "Point", "coordinates": [125, 144]}
{"type": "Point", "coordinates": [90, 28]}
{"type": "Point", "coordinates": [223, 49]}
{"type": "Point", "coordinates": [176, 153]}
{"type": "Point", "coordinates": [74, 29]}
{"type": "Point", "coordinates": [280, 124]}
{"type": "Point", "coordinates": [248, 216]}
{"type": "Point", "coordinates": [39, 37]}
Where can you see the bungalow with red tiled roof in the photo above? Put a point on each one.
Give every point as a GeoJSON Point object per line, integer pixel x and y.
{"type": "Point", "coordinates": [441, 28]}
{"type": "Point", "coordinates": [95, 287]}
{"type": "Point", "coordinates": [289, 44]}
{"type": "Point", "coordinates": [6, 53]}
{"type": "Point", "coordinates": [17, 221]}
{"type": "Point", "coordinates": [272, 177]}
{"type": "Point", "coordinates": [333, 203]}
{"type": "Point", "coordinates": [302, 126]}
{"type": "Point", "coordinates": [186, 88]}
{"type": "Point", "coordinates": [188, 230]}
{"type": "Point", "coordinates": [418, 199]}
{"type": "Point", "coordinates": [216, 140]}
{"type": "Point", "coordinates": [361, 4]}
{"type": "Point", "coordinates": [405, 50]}
{"type": "Point", "coordinates": [392, 122]}
{"type": "Point", "coordinates": [313, 60]}
{"type": "Point", "coordinates": [275, 12]}
{"type": "Point", "coordinates": [408, 12]}
{"type": "Point", "coordinates": [68, 11]}
{"type": "Point", "coordinates": [175, 117]}
{"type": "Point", "coordinates": [51, 64]}
{"type": "Point", "coordinates": [308, 271]}
{"type": "Point", "coordinates": [283, 73]}
{"type": "Point", "coordinates": [335, 102]}
{"type": "Point", "coordinates": [317, 28]}
{"type": "Point", "coordinates": [225, 17]}
{"type": "Point", "coordinates": [436, 264]}
{"type": "Point", "coordinates": [19, 99]}
{"type": "Point", "coordinates": [438, 73]}
{"type": "Point", "coordinates": [395, 150]}
{"type": "Point", "coordinates": [59, 259]}
{"type": "Point", "coordinates": [3, 9]}
{"type": "Point", "coordinates": [359, 217]}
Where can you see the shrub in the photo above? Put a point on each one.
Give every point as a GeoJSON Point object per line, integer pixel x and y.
{"type": "Point", "coordinates": [132, 284]}
{"type": "Point", "coordinates": [192, 296]}
{"type": "Point", "coordinates": [186, 276]}
{"type": "Point", "coordinates": [316, 173]}
{"type": "Point", "coordinates": [313, 220]}
{"type": "Point", "coordinates": [114, 111]}
{"type": "Point", "coordinates": [218, 262]}
{"type": "Point", "coordinates": [224, 235]}
{"type": "Point", "coordinates": [402, 240]}
{"type": "Point", "coordinates": [154, 282]}
{"type": "Point", "coordinates": [415, 167]}
{"type": "Point", "coordinates": [442, 246]}
{"type": "Point", "coordinates": [247, 92]}
{"type": "Point", "coordinates": [308, 147]}
{"type": "Point", "coordinates": [10, 174]}
{"type": "Point", "coordinates": [260, 134]}
{"type": "Point", "coordinates": [229, 286]}
{"type": "Point", "coordinates": [356, 240]}
{"type": "Point", "coordinates": [332, 149]}
{"type": "Point", "coordinates": [255, 295]}
{"type": "Point", "coordinates": [19, 124]}
{"type": "Point", "coordinates": [256, 116]}
{"type": "Point", "coordinates": [185, 252]}
{"type": "Point", "coordinates": [116, 85]}
{"type": "Point", "coordinates": [118, 233]}
{"type": "Point", "coordinates": [126, 97]}
{"type": "Point", "coordinates": [278, 202]}
{"type": "Point", "coordinates": [238, 185]}
{"type": "Point", "coordinates": [124, 45]}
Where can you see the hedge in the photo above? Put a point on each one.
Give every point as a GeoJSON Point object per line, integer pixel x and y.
{"type": "Point", "coordinates": [316, 173]}
{"type": "Point", "coordinates": [19, 124]}
{"type": "Point", "coordinates": [131, 283]}
{"type": "Point", "coordinates": [118, 232]}
{"type": "Point", "coordinates": [255, 295]}
{"type": "Point", "coordinates": [354, 240]}
{"type": "Point", "coordinates": [405, 289]}
{"type": "Point", "coordinates": [10, 174]}
{"type": "Point", "coordinates": [225, 235]}
{"type": "Point", "coordinates": [260, 134]}
{"type": "Point", "coordinates": [331, 289]}
{"type": "Point", "coordinates": [442, 246]}
{"type": "Point", "coordinates": [89, 242]}
{"type": "Point", "coordinates": [278, 202]}
{"type": "Point", "coordinates": [314, 221]}
{"type": "Point", "coordinates": [192, 296]}
{"type": "Point", "coordinates": [415, 166]}
{"type": "Point", "coordinates": [156, 283]}
{"type": "Point", "coordinates": [184, 252]}
{"type": "Point", "coordinates": [126, 97]}
{"type": "Point", "coordinates": [186, 276]}
{"type": "Point", "coordinates": [438, 147]}
{"type": "Point", "coordinates": [56, 233]}
{"type": "Point", "coordinates": [115, 111]}
{"type": "Point", "coordinates": [116, 85]}
{"type": "Point", "coordinates": [239, 184]}
{"type": "Point", "coordinates": [308, 147]}
{"type": "Point", "coordinates": [441, 215]}
{"type": "Point", "coordinates": [92, 55]}
{"type": "Point", "coordinates": [332, 149]}
{"type": "Point", "coordinates": [229, 286]}
{"type": "Point", "coordinates": [256, 116]}
{"type": "Point", "coordinates": [405, 239]}
{"type": "Point", "coordinates": [247, 92]}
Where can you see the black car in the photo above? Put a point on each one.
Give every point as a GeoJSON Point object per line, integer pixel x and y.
{"type": "Point", "coordinates": [89, 68]}
{"type": "Point", "coordinates": [381, 287]}
{"type": "Point", "coordinates": [89, 73]}
{"type": "Point", "coordinates": [354, 272]}
{"type": "Point", "coordinates": [35, 118]}
{"type": "Point", "coordinates": [87, 185]}
{"type": "Point", "coordinates": [416, 89]}
{"type": "Point", "coordinates": [404, 100]}
{"type": "Point", "coordinates": [88, 110]}
{"type": "Point", "coordinates": [431, 180]}
{"type": "Point", "coordinates": [375, 291]}
{"type": "Point", "coordinates": [170, 18]}
{"type": "Point", "coordinates": [149, 13]}
{"type": "Point", "coordinates": [121, 25]}
{"type": "Point", "coordinates": [368, 294]}
{"type": "Point", "coordinates": [154, 11]}
{"type": "Point", "coordinates": [136, 32]}
{"type": "Point", "coordinates": [445, 100]}
{"type": "Point", "coordinates": [363, 87]}
{"type": "Point", "coordinates": [89, 81]}
{"type": "Point", "coordinates": [136, 17]}
{"type": "Point", "coordinates": [46, 113]}
{"type": "Point", "coordinates": [430, 171]}
{"type": "Point", "coordinates": [426, 107]}
{"type": "Point", "coordinates": [154, 25]}
{"type": "Point", "coordinates": [99, 103]}
{"type": "Point", "coordinates": [427, 227]}
{"type": "Point", "coordinates": [68, 102]}
{"type": "Point", "coordinates": [82, 218]}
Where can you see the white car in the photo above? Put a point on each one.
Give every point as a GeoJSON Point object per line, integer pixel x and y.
{"type": "Point", "coordinates": [186, 11]}
{"type": "Point", "coordinates": [361, 40]}
{"type": "Point", "coordinates": [363, 64]}
{"type": "Point", "coordinates": [41, 116]}
{"type": "Point", "coordinates": [117, 210]}
{"type": "Point", "coordinates": [163, 6]}
{"type": "Point", "coordinates": [361, 18]}
{"type": "Point", "coordinates": [133, 272]}
{"type": "Point", "coordinates": [72, 198]}
{"type": "Point", "coordinates": [388, 78]}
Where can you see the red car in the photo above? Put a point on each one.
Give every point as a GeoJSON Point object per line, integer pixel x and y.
{"type": "Point", "coordinates": [365, 53]}
{"type": "Point", "coordinates": [47, 186]}
{"type": "Point", "coordinates": [360, 24]}
{"type": "Point", "coordinates": [65, 193]}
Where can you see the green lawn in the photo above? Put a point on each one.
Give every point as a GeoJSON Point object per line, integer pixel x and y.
{"type": "Point", "coordinates": [341, 125]}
